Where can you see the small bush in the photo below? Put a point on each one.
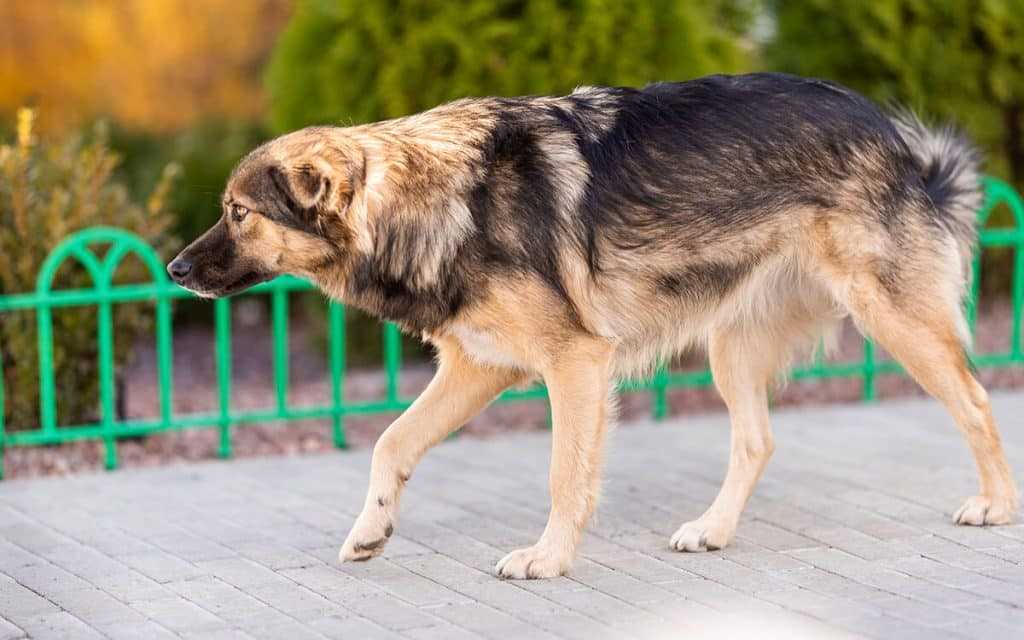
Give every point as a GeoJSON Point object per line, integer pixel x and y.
{"type": "Point", "coordinates": [48, 190]}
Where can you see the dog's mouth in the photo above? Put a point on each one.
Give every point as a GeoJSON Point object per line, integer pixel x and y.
{"type": "Point", "coordinates": [247, 280]}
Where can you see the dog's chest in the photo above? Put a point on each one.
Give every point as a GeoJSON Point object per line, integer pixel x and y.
{"type": "Point", "coordinates": [483, 346]}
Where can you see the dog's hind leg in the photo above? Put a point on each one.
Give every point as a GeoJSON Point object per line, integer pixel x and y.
{"type": "Point", "coordinates": [460, 389]}
{"type": "Point", "coordinates": [579, 384]}
{"type": "Point", "coordinates": [921, 329]}
{"type": "Point", "coordinates": [744, 362]}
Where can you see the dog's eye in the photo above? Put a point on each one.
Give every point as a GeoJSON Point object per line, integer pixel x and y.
{"type": "Point", "coordinates": [238, 212]}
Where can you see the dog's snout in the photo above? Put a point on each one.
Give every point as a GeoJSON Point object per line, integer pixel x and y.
{"type": "Point", "coordinates": [179, 268]}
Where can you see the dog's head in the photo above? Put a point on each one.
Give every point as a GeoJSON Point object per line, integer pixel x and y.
{"type": "Point", "coordinates": [283, 212]}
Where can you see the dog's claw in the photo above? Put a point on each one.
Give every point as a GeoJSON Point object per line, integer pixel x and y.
{"type": "Point", "coordinates": [368, 537]}
{"type": "Point", "coordinates": [699, 535]}
{"type": "Point", "coordinates": [531, 563]}
{"type": "Point", "coordinates": [979, 511]}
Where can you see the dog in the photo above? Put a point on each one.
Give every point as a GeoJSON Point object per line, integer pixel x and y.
{"type": "Point", "coordinates": [584, 238]}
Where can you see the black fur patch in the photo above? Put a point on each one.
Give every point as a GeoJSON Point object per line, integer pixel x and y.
{"type": "Point", "coordinates": [704, 282]}
{"type": "Point", "coordinates": [269, 190]}
{"type": "Point", "coordinates": [516, 166]}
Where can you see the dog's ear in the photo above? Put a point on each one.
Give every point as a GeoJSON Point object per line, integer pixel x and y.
{"type": "Point", "coordinates": [310, 186]}
{"type": "Point", "coordinates": [307, 191]}
{"type": "Point", "coordinates": [296, 198]}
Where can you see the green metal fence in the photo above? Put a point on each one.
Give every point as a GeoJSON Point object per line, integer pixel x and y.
{"type": "Point", "coordinates": [104, 294]}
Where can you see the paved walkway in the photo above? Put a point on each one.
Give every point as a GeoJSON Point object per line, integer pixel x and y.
{"type": "Point", "coordinates": [848, 535]}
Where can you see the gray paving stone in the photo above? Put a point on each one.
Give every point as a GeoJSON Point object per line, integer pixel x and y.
{"type": "Point", "coordinates": [332, 583]}
{"type": "Point", "coordinates": [356, 627]}
{"type": "Point", "coordinates": [296, 601]}
{"type": "Point", "coordinates": [481, 619]}
{"type": "Point", "coordinates": [599, 606]}
{"type": "Point", "coordinates": [636, 592]}
{"type": "Point", "coordinates": [576, 626]}
{"type": "Point", "coordinates": [20, 602]}
{"type": "Point", "coordinates": [833, 561]}
{"type": "Point", "coordinates": [161, 566]}
{"type": "Point", "coordinates": [241, 572]}
{"type": "Point", "coordinates": [444, 569]}
{"type": "Point", "coordinates": [850, 541]}
{"type": "Point", "coordinates": [13, 557]}
{"type": "Point", "coordinates": [10, 631]}
{"type": "Point", "coordinates": [48, 578]}
{"type": "Point", "coordinates": [32, 537]}
{"type": "Point", "coordinates": [179, 615]}
{"type": "Point", "coordinates": [58, 625]}
{"type": "Point", "coordinates": [421, 592]}
{"type": "Point", "coordinates": [135, 630]}
{"type": "Point", "coordinates": [96, 607]}
{"type": "Point", "coordinates": [509, 597]}
{"type": "Point", "coordinates": [440, 632]}
{"type": "Point", "coordinates": [392, 613]}
{"type": "Point", "coordinates": [291, 629]}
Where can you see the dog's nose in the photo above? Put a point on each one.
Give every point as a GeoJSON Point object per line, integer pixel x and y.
{"type": "Point", "coordinates": [179, 268]}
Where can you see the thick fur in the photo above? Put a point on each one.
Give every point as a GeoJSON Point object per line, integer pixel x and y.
{"type": "Point", "coordinates": [586, 237]}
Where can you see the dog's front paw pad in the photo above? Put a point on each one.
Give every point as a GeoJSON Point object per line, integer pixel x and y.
{"type": "Point", "coordinates": [365, 541]}
{"type": "Point", "coordinates": [700, 535]}
{"type": "Point", "coordinates": [982, 510]}
{"type": "Point", "coordinates": [532, 562]}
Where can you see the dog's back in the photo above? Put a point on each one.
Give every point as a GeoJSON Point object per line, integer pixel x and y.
{"type": "Point", "coordinates": [657, 215]}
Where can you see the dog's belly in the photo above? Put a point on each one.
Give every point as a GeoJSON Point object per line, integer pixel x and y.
{"type": "Point", "coordinates": [484, 347]}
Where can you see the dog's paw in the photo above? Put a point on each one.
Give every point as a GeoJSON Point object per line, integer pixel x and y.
{"type": "Point", "coordinates": [533, 562]}
{"type": "Point", "coordinates": [702, 535]}
{"type": "Point", "coordinates": [982, 510]}
{"type": "Point", "coordinates": [367, 538]}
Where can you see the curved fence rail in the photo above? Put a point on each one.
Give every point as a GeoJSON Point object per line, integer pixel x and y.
{"type": "Point", "coordinates": [104, 294]}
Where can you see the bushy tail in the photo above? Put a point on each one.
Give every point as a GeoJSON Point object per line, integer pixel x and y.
{"type": "Point", "coordinates": [951, 174]}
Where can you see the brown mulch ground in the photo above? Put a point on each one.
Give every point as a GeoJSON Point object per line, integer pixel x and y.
{"type": "Point", "coordinates": [195, 391]}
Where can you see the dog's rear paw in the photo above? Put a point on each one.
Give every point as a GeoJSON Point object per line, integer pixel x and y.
{"type": "Point", "coordinates": [366, 539]}
{"type": "Point", "coordinates": [702, 535]}
{"type": "Point", "coordinates": [533, 562]}
{"type": "Point", "coordinates": [982, 510]}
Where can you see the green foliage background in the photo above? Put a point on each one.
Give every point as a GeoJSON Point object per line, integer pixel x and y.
{"type": "Point", "coordinates": [958, 60]}
{"type": "Point", "coordinates": [351, 62]}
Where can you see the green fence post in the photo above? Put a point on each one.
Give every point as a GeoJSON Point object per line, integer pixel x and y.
{"type": "Point", "coordinates": [165, 358]}
{"type": "Point", "coordinates": [222, 322]}
{"type": "Point", "coordinates": [392, 360]}
{"type": "Point", "coordinates": [47, 394]}
{"type": "Point", "coordinates": [336, 337]}
{"type": "Point", "coordinates": [105, 331]}
{"type": "Point", "coordinates": [279, 302]}
{"type": "Point", "coordinates": [659, 390]}
{"type": "Point", "coordinates": [974, 291]}
{"type": "Point", "coordinates": [868, 371]}
{"type": "Point", "coordinates": [3, 437]}
{"type": "Point", "coordinates": [1017, 297]}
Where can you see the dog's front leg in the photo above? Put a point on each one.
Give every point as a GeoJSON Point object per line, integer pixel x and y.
{"type": "Point", "coordinates": [578, 385]}
{"type": "Point", "coordinates": [459, 390]}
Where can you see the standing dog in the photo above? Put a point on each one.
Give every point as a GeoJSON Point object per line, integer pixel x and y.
{"type": "Point", "coordinates": [585, 237]}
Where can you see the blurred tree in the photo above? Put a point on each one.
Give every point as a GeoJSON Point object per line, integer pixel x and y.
{"type": "Point", "coordinates": [148, 64]}
{"type": "Point", "coordinates": [961, 60]}
{"type": "Point", "coordinates": [347, 61]}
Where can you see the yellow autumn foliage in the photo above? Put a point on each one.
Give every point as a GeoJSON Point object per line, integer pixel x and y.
{"type": "Point", "coordinates": [157, 65]}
